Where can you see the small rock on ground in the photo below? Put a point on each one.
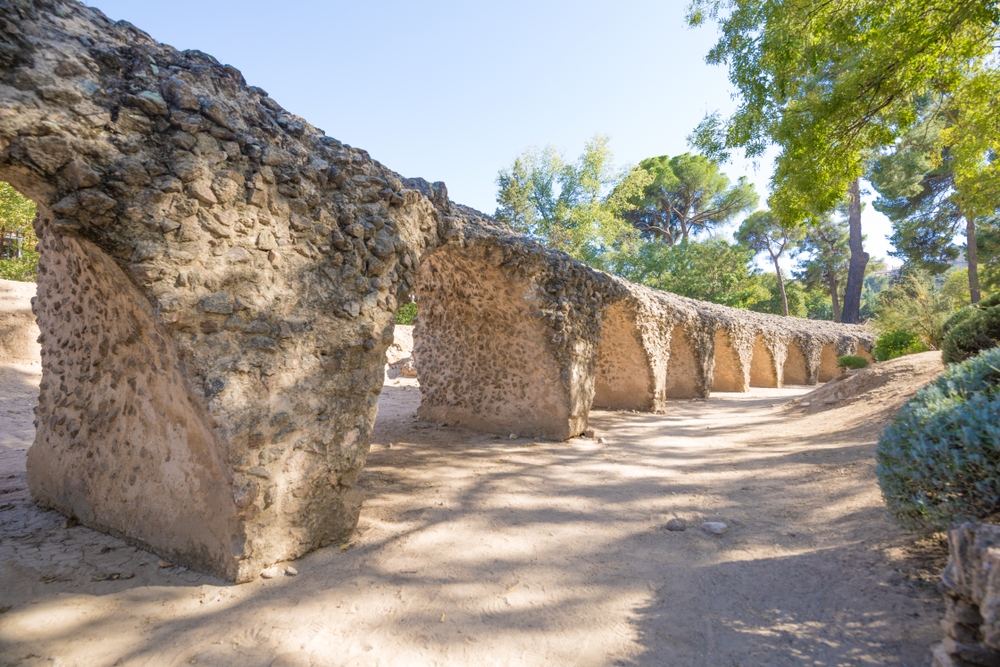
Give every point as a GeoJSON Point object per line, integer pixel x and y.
{"type": "Point", "coordinates": [677, 524]}
{"type": "Point", "coordinates": [271, 572]}
{"type": "Point", "coordinates": [714, 527]}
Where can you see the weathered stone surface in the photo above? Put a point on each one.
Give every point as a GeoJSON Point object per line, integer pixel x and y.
{"type": "Point", "coordinates": [971, 585]}
{"type": "Point", "coordinates": [170, 309]}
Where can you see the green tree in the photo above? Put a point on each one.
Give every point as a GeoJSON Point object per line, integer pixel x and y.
{"type": "Point", "coordinates": [920, 193]}
{"type": "Point", "coordinates": [565, 204]}
{"type": "Point", "coordinates": [913, 303]}
{"type": "Point", "coordinates": [763, 232]}
{"type": "Point", "coordinates": [831, 82]}
{"type": "Point", "coordinates": [686, 194]}
{"type": "Point", "coordinates": [795, 298]}
{"type": "Point", "coordinates": [18, 256]}
{"type": "Point", "coordinates": [711, 270]}
{"type": "Point", "coordinates": [823, 253]}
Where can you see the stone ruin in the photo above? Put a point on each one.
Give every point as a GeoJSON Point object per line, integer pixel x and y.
{"type": "Point", "coordinates": [217, 290]}
{"type": "Point", "coordinates": [971, 587]}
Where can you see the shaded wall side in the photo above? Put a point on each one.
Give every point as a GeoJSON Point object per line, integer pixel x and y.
{"type": "Point", "coordinates": [796, 367]}
{"type": "Point", "coordinates": [828, 368]}
{"type": "Point", "coordinates": [483, 353]}
{"type": "Point", "coordinates": [729, 372]}
{"type": "Point", "coordinates": [120, 442]}
{"type": "Point", "coordinates": [683, 376]}
{"type": "Point", "coordinates": [623, 373]}
{"type": "Point", "coordinates": [763, 367]}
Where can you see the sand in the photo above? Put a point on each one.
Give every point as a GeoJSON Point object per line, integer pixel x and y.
{"type": "Point", "coordinates": [475, 549]}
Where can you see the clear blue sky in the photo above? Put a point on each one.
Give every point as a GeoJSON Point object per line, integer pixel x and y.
{"type": "Point", "coordinates": [453, 91]}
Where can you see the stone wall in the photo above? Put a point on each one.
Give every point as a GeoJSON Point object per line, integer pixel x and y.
{"type": "Point", "coordinates": [217, 288]}
{"type": "Point", "coordinates": [971, 587]}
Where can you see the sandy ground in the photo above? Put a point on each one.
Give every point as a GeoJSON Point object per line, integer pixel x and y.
{"type": "Point", "coordinates": [475, 549]}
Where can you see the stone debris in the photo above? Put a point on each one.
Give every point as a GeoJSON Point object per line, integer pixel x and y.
{"type": "Point", "coordinates": [590, 433]}
{"type": "Point", "coordinates": [714, 527]}
{"type": "Point", "coordinates": [182, 339]}
{"type": "Point", "coordinates": [291, 571]}
{"type": "Point", "coordinates": [677, 524]}
{"type": "Point", "coordinates": [270, 572]}
{"type": "Point", "coordinates": [164, 563]}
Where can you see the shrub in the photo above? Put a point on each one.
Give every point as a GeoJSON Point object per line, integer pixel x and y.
{"type": "Point", "coordinates": [895, 343]}
{"type": "Point", "coordinates": [852, 362]}
{"type": "Point", "coordinates": [406, 313]}
{"type": "Point", "coordinates": [939, 460]}
{"type": "Point", "coordinates": [971, 330]}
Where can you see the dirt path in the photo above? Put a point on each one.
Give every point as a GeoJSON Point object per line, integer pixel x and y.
{"type": "Point", "coordinates": [480, 550]}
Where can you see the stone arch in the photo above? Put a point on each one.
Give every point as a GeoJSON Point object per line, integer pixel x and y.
{"type": "Point", "coordinates": [623, 372]}
{"type": "Point", "coordinates": [764, 369]}
{"type": "Point", "coordinates": [729, 373]}
{"type": "Point", "coordinates": [828, 368]}
{"type": "Point", "coordinates": [796, 367]}
{"type": "Point", "coordinates": [217, 288]}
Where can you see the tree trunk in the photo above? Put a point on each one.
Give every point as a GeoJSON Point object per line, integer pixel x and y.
{"type": "Point", "coordinates": [781, 284]}
{"type": "Point", "coordinates": [859, 258]}
{"type": "Point", "coordinates": [832, 279]}
{"type": "Point", "coordinates": [972, 256]}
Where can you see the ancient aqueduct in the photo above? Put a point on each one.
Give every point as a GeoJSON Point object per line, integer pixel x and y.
{"type": "Point", "coordinates": [217, 291]}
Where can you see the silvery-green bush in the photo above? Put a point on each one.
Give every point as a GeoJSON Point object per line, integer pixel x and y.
{"type": "Point", "coordinates": [939, 460]}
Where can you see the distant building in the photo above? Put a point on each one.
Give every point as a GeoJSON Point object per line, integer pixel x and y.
{"type": "Point", "coordinates": [10, 244]}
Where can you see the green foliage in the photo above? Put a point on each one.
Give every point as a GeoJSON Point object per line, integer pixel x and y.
{"type": "Point", "coordinates": [956, 286]}
{"type": "Point", "coordinates": [895, 343]}
{"type": "Point", "coordinates": [989, 254]}
{"type": "Point", "coordinates": [824, 255]}
{"type": "Point", "coordinates": [711, 270]}
{"type": "Point", "coordinates": [406, 313]}
{"type": "Point", "coordinates": [830, 82]}
{"type": "Point", "coordinates": [563, 204]}
{"type": "Point", "coordinates": [939, 460]}
{"type": "Point", "coordinates": [913, 304]}
{"type": "Point", "coordinates": [916, 187]}
{"type": "Point", "coordinates": [797, 297]}
{"type": "Point", "coordinates": [682, 196]}
{"type": "Point", "coordinates": [971, 330]}
{"type": "Point", "coordinates": [762, 231]}
{"type": "Point", "coordinates": [852, 362]}
{"type": "Point", "coordinates": [20, 258]}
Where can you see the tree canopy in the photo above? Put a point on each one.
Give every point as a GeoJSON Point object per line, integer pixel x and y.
{"type": "Point", "coordinates": [684, 195]}
{"type": "Point", "coordinates": [763, 232]}
{"type": "Point", "coordinates": [829, 82]}
{"type": "Point", "coordinates": [565, 204]}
